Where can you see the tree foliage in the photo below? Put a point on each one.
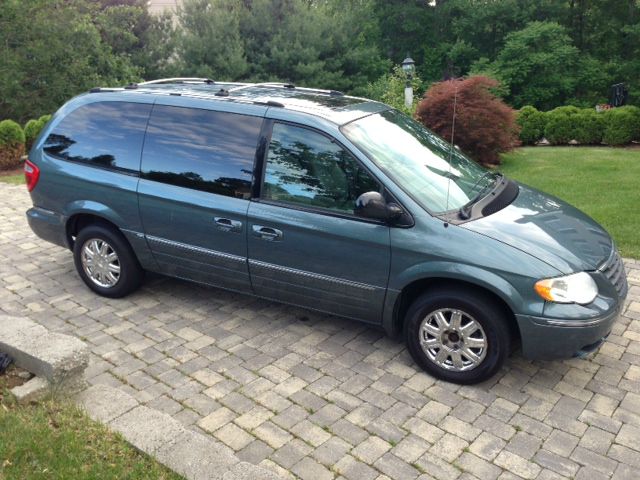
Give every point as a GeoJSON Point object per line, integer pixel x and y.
{"type": "Point", "coordinates": [537, 63]}
{"type": "Point", "coordinates": [542, 53]}
{"type": "Point", "coordinates": [389, 89]}
{"type": "Point", "coordinates": [209, 44]}
{"type": "Point", "coordinates": [321, 44]}
{"type": "Point", "coordinates": [484, 125]}
{"type": "Point", "coordinates": [51, 51]}
{"type": "Point", "coordinates": [599, 39]}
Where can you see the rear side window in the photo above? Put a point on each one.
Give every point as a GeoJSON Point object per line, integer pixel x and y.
{"type": "Point", "coordinates": [103, 134]}
{"type": "Point", "coordinates": [201, 149]}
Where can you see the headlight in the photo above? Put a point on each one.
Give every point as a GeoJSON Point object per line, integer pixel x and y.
{"type": "Point", "coordinates": [574, 288]}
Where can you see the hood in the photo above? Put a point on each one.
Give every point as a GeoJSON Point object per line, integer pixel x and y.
{"type": "Point", "coordinates": [549, 229]}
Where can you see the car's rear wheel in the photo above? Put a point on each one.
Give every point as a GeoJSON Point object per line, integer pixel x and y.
{"type": "Point", "coordinates": [458, 337]}
{"type": "Point", "coordinates": [105, 262]}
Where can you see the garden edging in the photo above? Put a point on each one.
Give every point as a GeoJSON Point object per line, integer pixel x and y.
{"type": "Point", "coordinates": [57, 360]}
{"type": "Point", "coordinates": [189, 453]}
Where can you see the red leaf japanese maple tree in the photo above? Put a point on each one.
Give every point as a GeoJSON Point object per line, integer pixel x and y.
{"type": "Point", "coordinates": [485, 126]}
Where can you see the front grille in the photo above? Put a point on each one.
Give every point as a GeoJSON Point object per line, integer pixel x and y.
{"type": "Point", "coordinates": [613, 269]}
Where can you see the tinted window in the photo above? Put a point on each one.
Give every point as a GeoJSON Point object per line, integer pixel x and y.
{"type": "Point", "coordinates": [105, 134]}
{"type": "Point", "coordinates": [201, 149]}
{"type": "Point", "coordinates": [307, 168]}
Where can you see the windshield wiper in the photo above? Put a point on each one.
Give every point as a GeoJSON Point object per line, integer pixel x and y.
{"type": "Point", "coordinates": [483, 176]}
{"type": "Point", "coordinates": [465, 210]}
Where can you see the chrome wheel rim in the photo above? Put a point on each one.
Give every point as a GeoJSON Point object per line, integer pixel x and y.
{"type": "Point", "coordinates": [453, 339]}
{"type": "Point", "coordinates": [100, 263]}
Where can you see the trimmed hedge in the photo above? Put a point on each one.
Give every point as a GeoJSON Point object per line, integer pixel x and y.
{"type": "Point", "coordinates": [33, 128]}
{"type": "Point", "coordinates": [11, 134]}
{"type": "Point", "coordinates": [560, 129]}
{"type": "Point", "coordinates": [11, 144]}
{"type": "Point", "coordinates": [563, 125]}
{"type": "Point", "coordinates": [532, 124]}
{"type": "Point", "coordinates": [622, 125]}
{"type": "Point", "coordinates": [588, 127]}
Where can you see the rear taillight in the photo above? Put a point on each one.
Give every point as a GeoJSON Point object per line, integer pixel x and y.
{"type": "Point", "coordinates": [31, 174]}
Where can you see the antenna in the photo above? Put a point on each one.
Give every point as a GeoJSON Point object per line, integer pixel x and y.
{"type": "Point", "coordinates": [453, 129]}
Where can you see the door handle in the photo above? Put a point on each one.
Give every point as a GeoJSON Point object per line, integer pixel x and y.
{"type": "Point", "coordinates": [228, 225]}
{"type": "Point", "coordinates": [267, 233]}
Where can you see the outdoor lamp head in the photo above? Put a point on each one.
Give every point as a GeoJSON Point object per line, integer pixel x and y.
{"type": "Point", "coordinates": [408, 65]}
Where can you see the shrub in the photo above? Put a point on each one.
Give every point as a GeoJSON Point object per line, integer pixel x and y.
{"type": "Point", "coordinates": [389, 89]}
{"type": "Point", "coordinates": [484, 126]}
{"type": "Point", "coordinates": [588, 126]}
{"type": "Point", "coordinates": [566, 110]}
{"type": "Point", "coordinates": [10, 133]}
{"type": "Point", "coordinates": [11, 144]}
{"type": "Point", "coordinates": [532, 123]}
{"type": "Point", "coordinates": [560, 125]}
{"type": "Point", "coordinates": [621, 125]}
{"type": "Point", "coordinates": [33, 128]}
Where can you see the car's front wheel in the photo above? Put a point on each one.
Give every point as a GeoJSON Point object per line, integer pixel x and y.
{"type": "Point", "coordinates": [460, 337]}
{"type": "Point", "coordinates": [105, 262]}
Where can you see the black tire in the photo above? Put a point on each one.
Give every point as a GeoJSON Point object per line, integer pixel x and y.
{"type": "Point", "coordinates": [475, 307]}
{"type": "Point", "coordinates": [130, 273]}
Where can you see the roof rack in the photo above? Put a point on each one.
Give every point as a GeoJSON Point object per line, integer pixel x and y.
{"type": "Point", "coordinates": [336, 93]}
{"type": "Point", "coordinates": [105, 89]}
{"type": "Point", "coordinates": [288, 86]}
{"type": "Point", "coordinates": [264, 84]}
{"type": "Point", "coordinates": [208, 81]}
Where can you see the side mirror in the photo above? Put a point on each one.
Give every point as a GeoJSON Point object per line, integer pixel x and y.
{"type": "Point", "coordinates": [373, 205]}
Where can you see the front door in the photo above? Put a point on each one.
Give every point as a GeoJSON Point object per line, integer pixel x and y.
{"type": "Point", "coordinates": [305, 244]}
{"type": "Point", "coordinates": [197, 168]}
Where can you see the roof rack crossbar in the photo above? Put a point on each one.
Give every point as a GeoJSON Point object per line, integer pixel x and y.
{"type": "Point", "coordinates": [105, 89]}
{"type": "Point", "coordinates": [178, 80]}
{"type": "Point", "coordinates": [321, 90]}
{"type": "Point", "coordinates": [264, 84]}
{"type": "Point", "coordinates": [288, 86]}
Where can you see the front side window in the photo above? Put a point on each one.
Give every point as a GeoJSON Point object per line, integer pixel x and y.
{"type": "Point", "coordinates": [308, 169]}
{"type": "Point", "coordinates": [201, 149]}
{"type": "Point", "coordinates": [102, 134]}
{"type": "Point", "coordinates": [439, 177]}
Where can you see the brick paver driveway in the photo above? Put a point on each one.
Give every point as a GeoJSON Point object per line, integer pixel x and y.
{"type": "Point", "coordinates": [318, 397]}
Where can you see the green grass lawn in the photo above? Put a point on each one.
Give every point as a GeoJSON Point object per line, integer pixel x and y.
{"type": "Point", "coordinates": [13, 179]}
{"type": "Point", "coordinates": [603, 182]}
{"type": "Point", "coordinates": [54, 440]}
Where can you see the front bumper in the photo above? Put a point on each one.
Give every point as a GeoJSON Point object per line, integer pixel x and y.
{"type": "Point", "coordinates": [552, 338]}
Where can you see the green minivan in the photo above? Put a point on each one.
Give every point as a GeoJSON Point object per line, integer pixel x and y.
{"type": "Point", "coordinates": [326, 201]}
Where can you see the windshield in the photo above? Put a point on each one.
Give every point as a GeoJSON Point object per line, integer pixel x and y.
{"type": "Point", "coordinates": [419, 161]}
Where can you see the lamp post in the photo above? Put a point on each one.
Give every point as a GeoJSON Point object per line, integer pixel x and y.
{"type": "Point", "coordinates": [408, 67]}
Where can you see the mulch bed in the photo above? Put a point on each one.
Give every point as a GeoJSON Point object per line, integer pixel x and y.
{"type": "Point", "coordinates": [11, 172]}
